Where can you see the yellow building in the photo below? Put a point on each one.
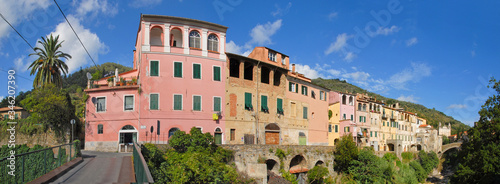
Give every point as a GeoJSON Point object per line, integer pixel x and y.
{"type": "Point", "coordinates": [19, 113]}
{"type": "Point", "coordinates": [333, 123]}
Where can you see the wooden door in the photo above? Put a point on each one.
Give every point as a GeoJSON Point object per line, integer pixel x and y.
{"type": "Point", "coordinates": [273, 138]}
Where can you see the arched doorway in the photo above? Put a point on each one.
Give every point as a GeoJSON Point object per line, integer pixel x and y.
{"type": "Point", "coordinates": [302, 138]}
{"type": "Point", "coordinates": [391, 147]}
{"type": "Point", "coordinates": [172, 131]}
{"type": "Point", "coordinates": [272, 134]}
{"type": "Point", "coordinates": [128, 134]}
{"type": "Point", "coordinates": [419, 147]}
{"type": "Point", "coordinates": [218, 136]}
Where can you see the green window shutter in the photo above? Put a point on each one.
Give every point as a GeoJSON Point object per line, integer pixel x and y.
{"type": "Point", "coordinates": [371, 134]}
{"type": "Point", "coordinates": [352, 117]}
{"type": "Point", "coordinates": [217, 102]}
{"type": "Point", "coordinates": [177, 69]}
{"type": "Point", "coordinates": [296, 88]}
{"type": "Point", "coordinates": [248, 101]}
{"type": "Point", "coordinates": [348, 129]}
{"type": "Point", "coordinates": [216, 73]}
{"type": "Point", "coordinates": [15, 116]}
{"type": "Point", "coordinates": [177, 102]}
{"type": "Point", "coordinates": [360, 119]}
{"type": "Point", "coordinates": [196, 71]}
{"type": "Point", "coordinates": [279, 104]}
{"type": "Point", "coordinates": [304, 115]}
{"type": "Point", "coordinates": [5, 116]}
{"type": "Point", "coordinates": [336, 128]}
{"type": "Point", "coordinates": [290, 84]}
{"type": "Point", "coordinates": [153, 101]}
{"type": "Point", "coordinates": [154, 68]}
{"type": "Point", "coordinates": [383, 123]}
{"type": "Point", "coordinates": [263, 102]}
{"type": "Point", "coordinates": [197, 103]}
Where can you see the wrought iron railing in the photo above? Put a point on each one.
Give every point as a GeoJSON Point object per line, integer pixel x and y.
{"type": "Point", "coordinates": [25, 167]}
{"type": "Point", "coordinates": [142, 173]}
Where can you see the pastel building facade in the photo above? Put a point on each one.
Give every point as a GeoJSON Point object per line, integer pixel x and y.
{"type": "Point", "coordinates": [334, 120]}
{"type": "Point", "coordinates": [180, 84]}
{"type": "Point", "coordinates": [347, 111]}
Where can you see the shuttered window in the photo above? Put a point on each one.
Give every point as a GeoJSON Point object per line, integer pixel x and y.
{"type": "Point", "coordinates": [263, 102]}
{"type": "Point", "coordinates": [279, 105]}
{"type": "Point", "coordinates": [336, 128]}
{"type": "Point", "coordinates": [304, 113]}
{"type": "Point", "coordinates": [196, 71]}
{"type": "Point", "coordinates": [177, 69]}
{"type": "Point", "coordinates": [196, 103]}
{"type": "Point", "coordinates": [248, 101]}
{"type": "Point", "coordinates": [217, 102]}
{"type": "Point", "coordinates": [153, 101]}
{"type": "Point", "coordinates": [177, 102]}
{"type": "Point", "coordinates": [154, 68]}
{"type": "Point", "coordinates": [216, 73]}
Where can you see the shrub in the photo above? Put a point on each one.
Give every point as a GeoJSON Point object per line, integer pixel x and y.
{"type": "Point", "coordinates": [317, 174]}
{"type": "Point", "coordinates": [407, 156]}
{"type": "Point", "coordinates": [390, 157]}
{"type": "Point", "coordinates": [345, 152]}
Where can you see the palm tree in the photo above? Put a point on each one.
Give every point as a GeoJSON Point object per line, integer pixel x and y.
{"type": "Point", "coordinates": [48, 66]}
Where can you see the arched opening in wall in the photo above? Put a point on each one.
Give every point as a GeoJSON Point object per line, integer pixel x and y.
{"type": "Point", "coordinates": [302, 138]}
{"type": "Point", "coordinates": [156, 36]}
{"type": "Point", "coordinates": [298, 164]}
{"type": "Point", "coordinates": [213, 43]}
{"type": "Point", "coordinates": [264, 75]}
{"type": "Point", "coordinates": [344, 99]}
{"type": "Point", "coordinates": [234, 68]}
{"type": "Point", "coordinates": [175, 37]}
{"type": "Point", "coordinates": [128, 134]}
{"type": "Point", "coordinates": [194, 39]}
{"type": "Point", "coordinates": [277, 78]}
{"type": "Point", "coordinates": [172, 131]}
{"type": "Point", "coordinates": [218, 136]}
{"type": "Point", "coordinates": [248, 71]}
{"type": "Point", "coordinates": [351, 100]}
{"type": "Point", "coordinates": [419, 147]}
{"type": "Point", "coordinates": [319, 163]}
{"type": "Point", "coordinates": [272, 134]}
{"type": "Point", "coordinates": [391, 147]}
{"type": "Point", "coordinates": [335, 142]}
{"type": "Point", "coordinates": [272, 165]}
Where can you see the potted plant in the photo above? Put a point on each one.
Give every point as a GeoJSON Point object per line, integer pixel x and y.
{"type": "Point", "coordinates": [134, 80]}
{"type": "Point", "coordinates": [129, 83]}
{"type": "Point", "coordinates": [110, 81]}
{"type": "Point", "coordinates": [122, 81]}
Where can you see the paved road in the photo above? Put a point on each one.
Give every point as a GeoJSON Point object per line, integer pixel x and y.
{"type": "Point", "coordinates": [100, 167]}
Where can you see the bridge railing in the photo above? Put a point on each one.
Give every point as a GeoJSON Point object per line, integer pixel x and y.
{"type": "Point", "coordinates": [142, 173]}
{"type": "Point", "coordinates": [25, 167]}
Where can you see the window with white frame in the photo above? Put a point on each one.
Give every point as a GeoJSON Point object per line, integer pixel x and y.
{"type": "Point", "coordinates": [128, 103]}
{"type": "Point", "coordinates": [271, 56]}
{"type": "Point", "coordinates": [194, 39]}
{"type": "Point", "coordinates": [101, 104]}
{"type": "Point", "coordinates": [213, 43]}
{"type": "Point", "coordinates": [283, 60]}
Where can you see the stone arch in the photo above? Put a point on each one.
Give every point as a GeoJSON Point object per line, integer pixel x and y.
{"type": "Point", "coordinates": [273, 165]}
{"type": "Point", "coordinates": [390, 146]}
{"type": "Point", "coordinates": [319, 163]}
{"type": "Point", "coordinates": [298, 163]}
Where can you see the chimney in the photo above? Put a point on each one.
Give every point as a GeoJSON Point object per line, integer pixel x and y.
{"type": "Point", "coordinates": [293, 68]}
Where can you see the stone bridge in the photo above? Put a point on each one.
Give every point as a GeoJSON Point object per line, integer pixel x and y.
{"type": "Point", "coordinates": [447, 147]}
{"type": "Point", "coordinates": [256, 160]}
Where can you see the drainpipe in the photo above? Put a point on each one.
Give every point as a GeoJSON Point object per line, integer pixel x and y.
{"type": "Point", "coordinates": [257, 113]}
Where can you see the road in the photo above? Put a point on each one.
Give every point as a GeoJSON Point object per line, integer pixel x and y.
{"type": "Point", "coordinates": [101, 167]}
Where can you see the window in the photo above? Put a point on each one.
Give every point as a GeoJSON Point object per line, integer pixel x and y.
{"type": "Point", "coordinates": [352, 117]}
{"type": "Point", "coordinates": [344, 116]}
{"type": "Point", "coordinates": [232, 133]}
{"type": "Point", "coordinates": [277, 78]}
{"type": "Point", "coordinates": [248, 73]}
{"type": "Point", "coordinates": [5, 117]}
{"type": "Point", "coordinates": [329, 128]}
{"type": "Point", "coordinates": [322, 95]}
{"type": "Point", "coordinates": [304, 112]}
{"type": "Point", "coordinates": [155, 36]}
{"type": "Point", "coordinates": [344, 99]}
{"type": "Point", "coordinates": [128, 103]}
{"type": "Point", "coordinates": [194, 39]}
{"type": "Point", "coordinates": [172, 131]}
{"type": "Point", "coordinates": [196, 71]}
{"type": "Point", "coordinates": [279, 105]}
{"type": "Point", "coordinates": [234, 68]}
{"type": "Point", "coordinates": [217, 102]}
{"type": "Point", "coordinates": [16, 116]}
{"type": "Point", "coordinates": [364, 107]}
{"type": "Point", "coordinates": [153, 101]}
{"type": "Point", "coordinates": [271, 56]}
{"type": "Point", "coordinates": [216, 73]}
{"type": "Point", "coordinates": [100, 129]}
{"type": "Point", "coordinates": [313, 94]}
{"type": "Point", "coordinates": [371, 134]}
{"type": "Point", "coordinates": [248, 101]}
{"type": "Point", "coordinates": [177, 102]}
{"type": "Point", "coordinates": [264, 75]}
{"type": "Point", "coordinates": [346, 129]}
{"type": "Point", "coordinates": [196, 103]}
{"type": "Point", "coordinates": [263, 104]}
{"type": "Point", "coordinates": [383, 123]}
{"type": "Point", "coordinates": [283, 60]}
{"type": "Point", "coordinates": [213, 43]}
{"type": "Point", "coordinates": [359, 106]}
{"type": "Point", "coordinates": [101, 104]}
{"type": "Point", "coordinates": [293, 87]}
{"type": "Point", "coordinates": [351, 101]}
{"type": "Point", "coordinates": [336, 128]}
{"type": "Point", "coordinates": [293, 107]}
{"type": "Point", "coordinates": [304, 90]}
{"type": "Point", "coordinates": [154, 68]}
{"type": "Point", "coordinates": [178, 69]}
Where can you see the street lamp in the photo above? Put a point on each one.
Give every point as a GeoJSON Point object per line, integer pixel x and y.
{"type": "Point", "coordinates": [72, 123]}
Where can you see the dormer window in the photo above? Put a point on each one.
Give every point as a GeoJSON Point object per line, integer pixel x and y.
{"type": "Point", "coordinates": [213, 43]}
{"type": "Point", "coordinates": [283, 60]}
{"type": "Point", "coordinates": [271, 56]}
{"type": "Point", "coordinates": [194, 39]}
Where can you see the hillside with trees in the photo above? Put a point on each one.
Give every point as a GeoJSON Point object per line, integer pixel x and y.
{"type": "Point", "coordinates": [432, 116]}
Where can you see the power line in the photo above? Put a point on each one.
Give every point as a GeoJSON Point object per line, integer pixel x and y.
{"type": "Point", "coordinates": [75, 33]}
{"type": "Point", "coordinates": [16, 31]}
{"type": "Point", "coordinates": [16, 74]}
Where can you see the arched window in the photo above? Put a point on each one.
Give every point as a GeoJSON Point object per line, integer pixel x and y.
{"type": "Point", "coordinates": [344, 99]}
{"type": "Point", "coordinates": [194, 39]}
{"type": "Point", "coordinates": [172, 131]}
{"type": "Point", "coordinates": [155, 37]}
{"type": "Point", "coordinates": [351, 101]}
{"type": "Point", "coordinates": [213, 43]}
{"type": "Point", "coordinates": [176, 38]}
{"type": "Point", "coordinates": [359, 106]}
{"type": "Point", "coordinates": [364, 107]}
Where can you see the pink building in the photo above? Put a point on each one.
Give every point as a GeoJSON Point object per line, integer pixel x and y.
{"type": "Point", "coordinates": [347, 112]}
{"type": "Point", "coordinates": [179, 66]}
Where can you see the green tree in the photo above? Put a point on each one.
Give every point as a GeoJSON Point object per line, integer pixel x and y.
{"type": "Point", "coordinates": [446, 140]}
{"type": "Point", "coordinates": [479, 159]}
{"type": "Point", "coordinates": [428, 161]}
{"type": "Point", "coordinates": [317, 174]}
{"type": "Point", "coordinates": [48, 66]}
{"type": "Point", "coordinates": [345, 152]}
{"type": "Point", "coordinates": [367, 168]}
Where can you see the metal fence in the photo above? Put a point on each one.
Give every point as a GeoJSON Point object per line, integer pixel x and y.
{"type": "Point", "coordinates": [25, 167]}
{"type": "Point", "coordinates": [142, 173]}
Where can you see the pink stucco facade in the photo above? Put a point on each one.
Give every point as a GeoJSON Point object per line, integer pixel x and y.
{"type": "Point", "coordinates": [347, 110]}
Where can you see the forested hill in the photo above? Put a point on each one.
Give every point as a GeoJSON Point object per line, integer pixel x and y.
{"type": "Point", "coordinates": [432, 116]}
{"type": "Point", "coordinates": [79, 78]}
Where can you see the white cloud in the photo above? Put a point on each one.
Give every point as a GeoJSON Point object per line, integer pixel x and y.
{"type": "Point", "coordinates": [21, 66]}
{"type": "Point", "coordinates": [385, 31]}
{"type": "Point", "coordinates": [1, 98]}
{"type": "Point", "coordinates": [409, 98]}
{"type": "Point", "coordinates": [349, 56]}
{"type": "Point", "coordinates": [261, 34]}
{"type": "Point", "coordinates": [339, 43]}
{"type": "Point", "coordinates": [91, 8]}
{"type": "Point", "coordinates": [307, 71]}
{"type": "Point", "coordinates": [19, 10]}
{"type": "Point", "coordinates": [411, 41]}
{"type": "Point", "coordinates": [413, 74]}
{"type": "Point", "coordinates": [333, 15]}
{"type": "Point", "coordinates": [281, 11]}
{"type": "Point", "coordinates": [457, 106]}
{"type": "Point", "coordinates": [334, 73]}
{"type": "Point", "coordinates": [357, 76]}
{"type": "Point", "coordinates": [72, 46]}
{"type": "Point", "coordinates": [145, 3]}
{"type": "Point", "coordinates": [233, 48]}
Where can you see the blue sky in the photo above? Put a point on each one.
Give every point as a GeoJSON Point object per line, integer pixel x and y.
{"type": "Point", "coordinates": [439, 54]}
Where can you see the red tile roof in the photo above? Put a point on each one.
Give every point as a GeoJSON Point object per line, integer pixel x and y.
{"type": "Point", "coordinates": [8, 108]}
